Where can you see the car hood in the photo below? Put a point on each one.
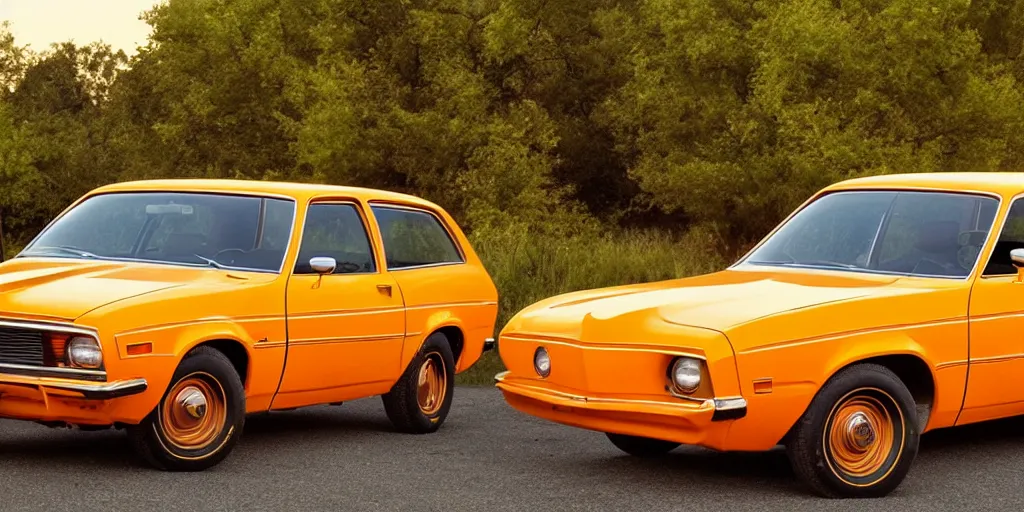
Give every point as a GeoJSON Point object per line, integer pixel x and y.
{"type": "Point", "coordinates": [721, 301]}
{"type": "Point", "coordinates": [66, 289]}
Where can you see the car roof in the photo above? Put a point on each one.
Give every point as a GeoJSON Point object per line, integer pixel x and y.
{"type": "Point", "coordinates": [299, 191]}
{"type": "Point", "coordinates": [1005, 184]}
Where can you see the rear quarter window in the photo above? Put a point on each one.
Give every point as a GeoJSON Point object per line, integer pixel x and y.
{"type": "Point", "coordinates": [414, 238]}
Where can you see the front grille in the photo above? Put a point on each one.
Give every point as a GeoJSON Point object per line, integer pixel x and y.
{"type": "Point", "coordinates": [21, 346]}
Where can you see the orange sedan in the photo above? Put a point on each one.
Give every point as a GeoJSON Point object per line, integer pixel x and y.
{"type": "Point", "coordinates": [883, 308]}
{"type": "Point", "coordinates": [176, 308]}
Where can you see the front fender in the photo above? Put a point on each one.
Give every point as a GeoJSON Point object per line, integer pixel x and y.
{"type": "Point", "coordinates": [171, 343]}
{"type": "Point", "coordinates": [795, 371]}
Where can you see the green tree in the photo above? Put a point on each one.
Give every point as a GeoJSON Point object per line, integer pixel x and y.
{"type": "Point", "coordinates": [737, 111]}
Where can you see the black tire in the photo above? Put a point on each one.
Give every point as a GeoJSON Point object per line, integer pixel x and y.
{"type": "Point", "coordinates": [211, 370]}
{"type": "Point", "coordinates": [865, 392]}
{"type": "Point", "coordinates": [402, 403]}
{"type": "Point", "coordinates": [643, 447]}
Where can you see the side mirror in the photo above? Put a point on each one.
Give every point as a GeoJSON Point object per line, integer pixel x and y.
{"type": "Point", "coordinates": [1017, 257]}
{"type": "Point", "coordinates": [322, 265]}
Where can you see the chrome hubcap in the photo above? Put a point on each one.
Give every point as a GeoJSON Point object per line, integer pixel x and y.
{"type": "Point", "coordinates": [193, 402]}
{"type": "Point", "coordinates": [862, 432]}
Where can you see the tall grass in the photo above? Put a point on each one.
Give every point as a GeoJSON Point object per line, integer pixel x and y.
{"type": "Point", "coordinates": [528, 268]}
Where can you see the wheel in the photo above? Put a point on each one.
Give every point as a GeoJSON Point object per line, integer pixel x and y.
{"type": "Point", "coordinates": [859, 436]}
{"type": "Point", "coordinates": [200, 417]}
{"type": "Point", "coordinates": [418, 403]}
{"type": "Point", "coordinates": [641, 446]}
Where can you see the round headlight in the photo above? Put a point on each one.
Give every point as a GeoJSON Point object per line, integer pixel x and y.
{"type": "Point", "coordinates": [542, 362]}
{"type": "Point", "coordinates": [84, 352]}
{"type": "Point", "coordinates": [686, 374]}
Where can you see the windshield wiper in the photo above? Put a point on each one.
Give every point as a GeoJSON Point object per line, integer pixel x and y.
{"type": "Point", "coordinates": [211, 263]}
{"type": "Point", "coordinates": [814, 263]}
{"type": "Point", "coordinates": [66, 250]}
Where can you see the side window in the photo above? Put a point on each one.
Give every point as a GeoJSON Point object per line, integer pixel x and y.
{"type": "Point", "coordinates": [414, 238]}
{"type": "Point", "coordinates": [1010, 238]}
{"type": "Point", "coordinates": [335, 230]}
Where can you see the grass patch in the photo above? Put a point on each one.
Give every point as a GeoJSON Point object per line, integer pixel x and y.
{"type": "Point", "coordinates": [528, 268]}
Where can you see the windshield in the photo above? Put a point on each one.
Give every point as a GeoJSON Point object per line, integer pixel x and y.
{"type": "Point", "coordinates": [913, 233]}
{"type": "Point", "coordinates": [217, 230]}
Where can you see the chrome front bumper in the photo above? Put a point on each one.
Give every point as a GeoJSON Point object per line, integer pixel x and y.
{"type": "Point", "coordinates": [729, 408]}
{"type": "Point", "coordinates": [86, 390]}
{"type": "Point", "coordinates": [725, 408]}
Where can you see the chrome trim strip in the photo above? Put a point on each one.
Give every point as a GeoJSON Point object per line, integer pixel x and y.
{"type": "Point", "coordinates": [197, 266]}
{"type": "Point", "coordinates": [107, 391]}
{"type": "Point", "coordinates": [274, 344]}
{"type": "Point", "coordinates": [590, 399]}
{"type": "Point", "coordinates": [344, 313]}
{"type": "Point", "coordinates": [50, 327]}
{"type": "Point", "coordinates": [758, 267]}
{"type": "Point", "coordinates": [950, 364]}
{"type": "Point", "coordinates": [437, 305]}
{"type": "Point", "coordinates": [45, 371]}
{"type": "Point", "coordinates": [344, 339]}
{"type": "Point", "coordinates": [995, 359]}
{"type": "Point", "coordinates": [429, 265]}
{"type": "Point", "coordinates": [730, 403]}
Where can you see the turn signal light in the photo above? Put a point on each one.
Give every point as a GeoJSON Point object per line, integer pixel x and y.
{"type": "Point", "coordinates": [139, 349]}
{"type": "Point", "coordinates": [54, 346]}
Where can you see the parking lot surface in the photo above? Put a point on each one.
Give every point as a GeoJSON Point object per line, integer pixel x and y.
{"type": "Point", "coordinates": [487, 457]}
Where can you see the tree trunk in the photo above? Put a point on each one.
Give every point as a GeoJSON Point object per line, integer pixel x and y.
{"type": "Point", "coordinates": [2, 253]}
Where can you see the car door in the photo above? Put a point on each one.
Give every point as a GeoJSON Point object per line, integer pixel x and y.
{"type": "Point", "coordinates": [995, 382]}
{"type": "Point", "coordinates": [436, 283]}
{"type": "Point", "coordinates": [345, 327]}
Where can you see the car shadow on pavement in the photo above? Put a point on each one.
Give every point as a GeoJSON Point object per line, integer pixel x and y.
{"type": "Point", "coordinates": [1006, 431]}
{"type": "Point", "coordinates": [69, 449]}
{"type": "Point", "coordinates": [322, 420]}
{"type": "Point", "coordinates": [72, 448]}
{"type": "Point", "coordinates": [709, 471]}
{"type": "Point", "coordinates": [771, 470]}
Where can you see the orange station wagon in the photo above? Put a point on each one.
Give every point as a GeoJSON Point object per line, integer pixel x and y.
{"type": "Point", "coordinates": [882, 308]}
{"type": "Point", "coordinates": [175, 308]}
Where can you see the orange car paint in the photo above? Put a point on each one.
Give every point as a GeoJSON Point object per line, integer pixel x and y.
{"type": "Point", "coordinates": [343, 336]}
{"type": "Point", "coordinates": [772, 337]}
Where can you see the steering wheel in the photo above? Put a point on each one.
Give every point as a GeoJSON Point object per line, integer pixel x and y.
{"type": "Point", "coordinates": [217, 256]}
{"type": "Point", "coordinates": [967, 256]}
{"type": "Point", "coordinates": [349, 267]}
{"type": "Point", "coordinates": [944, 266]}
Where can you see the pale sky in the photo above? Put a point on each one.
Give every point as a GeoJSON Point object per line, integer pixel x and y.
{"type": "Point", "coordinates": [41, 22]}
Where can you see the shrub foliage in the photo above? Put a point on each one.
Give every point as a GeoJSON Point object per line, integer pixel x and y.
{"type": "Point", "coordinates": [581, 143]}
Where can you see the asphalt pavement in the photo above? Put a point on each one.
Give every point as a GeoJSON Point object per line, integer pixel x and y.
{"type": "Point", "coordinates": [486, 457]}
